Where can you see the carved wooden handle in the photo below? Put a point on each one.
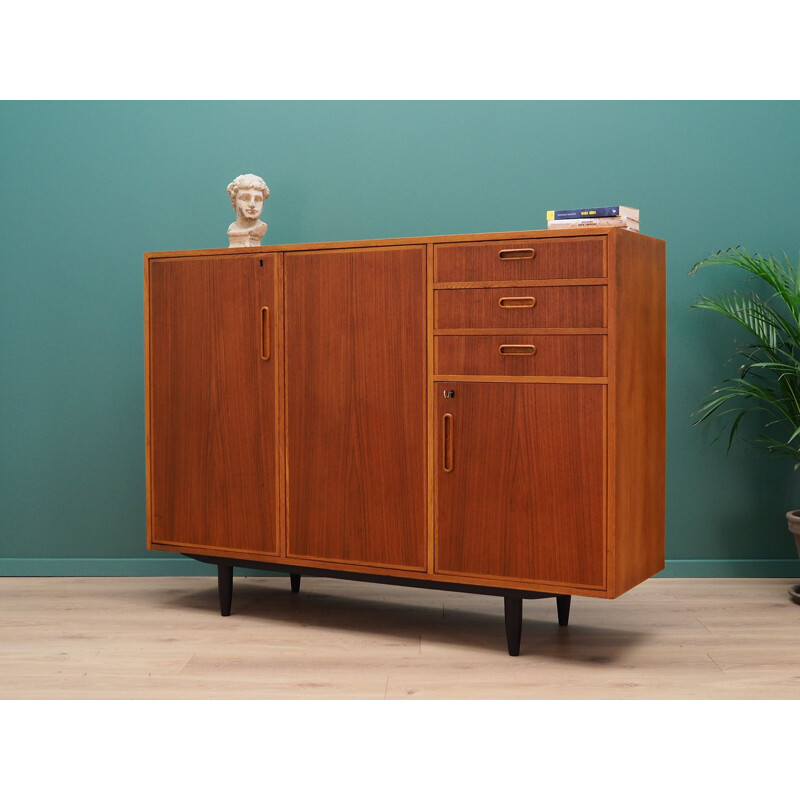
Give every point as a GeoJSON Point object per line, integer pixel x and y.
{"type": "Point", "coordinates": [517, 349]}
{"type": "Point", "coordinates": [519, 254]}
{"type": "Point", "coordinates": [447, 442]}
{"type": "Point", "coordinates": [517, 302]}
{"type": "Point", "coordinates": [266, 342]}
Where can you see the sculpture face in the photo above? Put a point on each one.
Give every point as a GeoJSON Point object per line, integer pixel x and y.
{"type": "Point", "coordinates": [249, 204]}
{"type": "Point", "coordinates": [248, 193]}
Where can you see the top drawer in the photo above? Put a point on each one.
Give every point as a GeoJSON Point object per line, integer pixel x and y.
{"type": "Point", "coordinates": [521, 259]}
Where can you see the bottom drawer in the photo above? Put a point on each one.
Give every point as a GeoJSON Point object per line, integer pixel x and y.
{"type": "Point", "coordinates": [567, 355]}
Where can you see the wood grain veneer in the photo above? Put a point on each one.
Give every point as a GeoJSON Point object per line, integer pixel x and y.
{"type": "Point", "coordinates": [356, 358]}
{"type": "Point", "coordinates": [637, 427]}
{"type": "Point", "coordinates": [515, 355]}
{"type": "Point", "coordinates": [547, 307]}
{"type": "Point", "coordinates": [507, 260]}
{"type": "Point", "coordinates": [212, 404]}
{"type": "Point", "coordinates": [526, 493]}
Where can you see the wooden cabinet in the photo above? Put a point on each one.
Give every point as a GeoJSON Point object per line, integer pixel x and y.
{"type": "Point", "coordinates": [480, 413]}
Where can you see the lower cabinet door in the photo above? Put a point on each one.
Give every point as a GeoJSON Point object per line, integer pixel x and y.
{"type": "Point", "coordinates": [521, 481]}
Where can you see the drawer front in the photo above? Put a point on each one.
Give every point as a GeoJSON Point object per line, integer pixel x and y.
{"type": "Point", "coordinates": [566, 355]}
{"type": "Point", "coordinates": [531, 307]}
{"type": "Point", "coordinates": [521, 259]}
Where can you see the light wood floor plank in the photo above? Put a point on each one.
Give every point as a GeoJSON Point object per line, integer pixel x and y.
{"type": "Point", "coordinates": [159, 638]}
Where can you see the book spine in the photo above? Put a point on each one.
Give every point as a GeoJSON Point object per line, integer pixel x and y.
{"type": "Point", "coordinates": [582, 213]}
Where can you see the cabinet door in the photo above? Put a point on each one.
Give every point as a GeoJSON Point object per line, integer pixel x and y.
{"type": "Point", "coordinates": [356, 407]}
{"type": "Point", "coordinates": [211, 403]}
{"type": "Point", "coordinates": [520, 487]}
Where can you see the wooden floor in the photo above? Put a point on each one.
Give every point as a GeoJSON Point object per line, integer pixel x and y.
{"type": "Point", "coordinates": [87, 638]}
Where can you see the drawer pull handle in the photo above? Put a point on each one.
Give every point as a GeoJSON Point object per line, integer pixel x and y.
{"type": "Point", "coordinates": [517, 302]}
{"type": "Point", "coordinates": [517, 349]}
{"type": "Point", "coordinates": [447, 442]}
{"type": "Point", "coordinates": [518, 255]}
{"type": "Point", "coordinates": [265, 337]}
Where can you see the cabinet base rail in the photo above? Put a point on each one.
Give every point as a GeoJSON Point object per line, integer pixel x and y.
{"type": "Point", "coordinates": [512, 598]}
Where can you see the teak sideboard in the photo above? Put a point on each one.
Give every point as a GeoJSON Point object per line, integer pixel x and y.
{"type": "Point", "coordinates": [479, 413]}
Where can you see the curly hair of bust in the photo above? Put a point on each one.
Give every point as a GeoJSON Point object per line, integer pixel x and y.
{"type": "Point", "coordinates": [248, 181]}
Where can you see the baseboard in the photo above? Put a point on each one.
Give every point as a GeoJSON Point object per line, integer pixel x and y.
{"type": "Point", "coordinates": [731, 568]}
{"type": "Point", "coordinates": [179, 565]}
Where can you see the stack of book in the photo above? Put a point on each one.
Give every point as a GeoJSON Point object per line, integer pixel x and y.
{"type": "Point", "coordinates": [615, 216]}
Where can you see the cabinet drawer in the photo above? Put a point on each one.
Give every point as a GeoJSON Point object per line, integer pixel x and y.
{"type": "Point", "coordinates": [562, 355]}
{"type": "Point", "coordinates": [531, 307]}
{"type": "Point", "coordinates": [521, 259]}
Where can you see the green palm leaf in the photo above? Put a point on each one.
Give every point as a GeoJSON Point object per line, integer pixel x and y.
{"type": "Point", "coordinates": [768, 361]}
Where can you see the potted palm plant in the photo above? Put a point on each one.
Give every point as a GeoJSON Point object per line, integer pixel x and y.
{"type": "Point", "coordinates": [767, 381]}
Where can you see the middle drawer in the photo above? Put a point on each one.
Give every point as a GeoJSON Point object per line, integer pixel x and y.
{"type": "Point", "coordinates": [553, 355]}
{"type": "Point", "coordinates": [529, 307]}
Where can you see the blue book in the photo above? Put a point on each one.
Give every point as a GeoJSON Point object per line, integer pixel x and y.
{"type": "Point", "coordinates": [599, 211]}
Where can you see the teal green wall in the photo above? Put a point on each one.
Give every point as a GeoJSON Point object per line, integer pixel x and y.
{"type": "Point", "coordinates": [87, 187]}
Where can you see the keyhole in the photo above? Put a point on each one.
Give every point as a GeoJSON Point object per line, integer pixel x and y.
{"type": "Point", "coordinates": [449, 393]}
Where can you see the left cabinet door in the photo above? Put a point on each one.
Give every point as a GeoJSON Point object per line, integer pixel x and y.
{"type": "Point", "coordinates": [212, 367]}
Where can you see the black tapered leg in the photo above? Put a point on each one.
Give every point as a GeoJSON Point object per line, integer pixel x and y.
{"type": "Point", "coordinates": [562, 603]}
{"type": "Point", "coordinates": [513, 607]}
{"type": "Point", "coordinates": [294, 577]}
{"type": "Point", "coordinates": [225, 586]}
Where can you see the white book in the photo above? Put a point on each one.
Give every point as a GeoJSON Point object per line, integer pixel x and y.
{"type": "Point", "coordinates": [595, 222]}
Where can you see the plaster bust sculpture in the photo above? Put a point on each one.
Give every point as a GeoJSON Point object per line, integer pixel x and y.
{"type": "Point", "coordinates": [247, 193]}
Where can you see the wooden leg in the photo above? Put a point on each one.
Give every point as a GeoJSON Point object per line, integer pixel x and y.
{"type": "Point", "coordinates": [225, 586]}
{"type": "Point", "coordinates": [513, 606]}
{"type": "Point", "coordinates": [294, 577]}
{"type": "Point", "coordinates": [562, 603]}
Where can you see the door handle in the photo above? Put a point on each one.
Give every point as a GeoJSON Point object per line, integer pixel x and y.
{"type": "Point", "coordinates": [266, 339]}
{"type": "Point", "coordinates": [447, 442]}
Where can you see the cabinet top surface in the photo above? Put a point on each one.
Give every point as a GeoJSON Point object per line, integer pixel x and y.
{"type": "Point", "coordinates": [562, 233]}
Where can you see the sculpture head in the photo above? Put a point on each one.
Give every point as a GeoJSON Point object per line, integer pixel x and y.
{"type": "Point", "coordinates": [248, 193]}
